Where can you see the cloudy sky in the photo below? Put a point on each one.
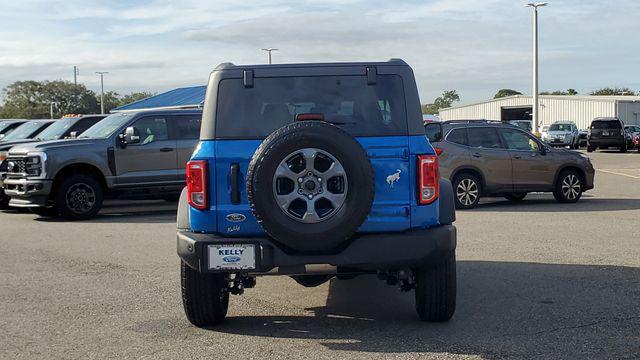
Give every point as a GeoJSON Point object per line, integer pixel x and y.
{"type": "Point", "coordinates": [473, 46]}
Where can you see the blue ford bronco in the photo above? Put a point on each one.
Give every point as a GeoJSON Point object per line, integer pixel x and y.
{"type": "Point", "coordinates": [314, 171]}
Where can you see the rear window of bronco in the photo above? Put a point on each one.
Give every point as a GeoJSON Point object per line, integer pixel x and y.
{"type": "Point", "coordinates": [346, 101]}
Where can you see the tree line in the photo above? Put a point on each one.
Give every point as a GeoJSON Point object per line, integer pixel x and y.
{"type": "Point", "coordinates": [33, 99]}
{"type": "Point", "coordinates": [448, 97]}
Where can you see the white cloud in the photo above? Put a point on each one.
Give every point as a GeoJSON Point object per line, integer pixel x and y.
{"type": "Point", "coordinates": [475, 47]}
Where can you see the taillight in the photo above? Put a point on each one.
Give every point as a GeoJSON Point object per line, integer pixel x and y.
{"type": "Point", "coordinates": [428, 179]}
{"type": "Point", "coordinates": [197, 184]}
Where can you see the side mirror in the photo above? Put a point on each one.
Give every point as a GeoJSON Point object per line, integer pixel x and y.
{"type": "Point", "coordinates": [130, 136]}
{"type": "Point", "coordinates": [73, 135]}
{"type": "Point", "coordinates": [544, 150]}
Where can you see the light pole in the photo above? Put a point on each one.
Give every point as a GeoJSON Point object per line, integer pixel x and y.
{"type": "Point", "coordinates": [269, 50]}
{"type": "Point", "coordinates": [534, 90]}
{"type": "Point", "coordinates": [101, 73]}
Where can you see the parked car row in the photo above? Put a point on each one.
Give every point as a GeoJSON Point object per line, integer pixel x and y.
{"type": "Point", "coordinates": [68, 168]}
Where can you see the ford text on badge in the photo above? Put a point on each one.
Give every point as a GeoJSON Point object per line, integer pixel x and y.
{"type": "Point", "coordinates": [235, 217]}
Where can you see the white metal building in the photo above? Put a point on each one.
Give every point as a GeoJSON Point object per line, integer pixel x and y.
{"type": "Point", "coordinates": [577, 108]}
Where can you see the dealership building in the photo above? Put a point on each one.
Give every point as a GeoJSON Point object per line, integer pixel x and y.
{"type": "Point", "coordinates": [577, 108]}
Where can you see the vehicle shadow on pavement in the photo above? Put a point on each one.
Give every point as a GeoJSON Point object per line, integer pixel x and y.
{"type": "Point", "coordinates": [504, 310]}
{"type": "Point", "coordinates": [544, 203]}
{"type": "Point", "coordinates": [134, 211]}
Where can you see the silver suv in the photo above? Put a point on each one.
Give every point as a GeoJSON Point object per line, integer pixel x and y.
{"type": "Point", "coordinates": [138, 154]}
{"type": "Point", "coordinates": [563, 133]}
{"type": "Point", "coordinates": [489, 158]}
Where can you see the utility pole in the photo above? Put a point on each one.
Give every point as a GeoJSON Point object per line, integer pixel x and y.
{"type": "Point", "coordinates": [101, 73]}
{"type": "Point", "coordinates": [75, 75]}
{"type": "Point", "coordinates": [269, 50]}
{"type": "Point", "coordinates": [51, 109]}
{"type": "Point", "coordinates": [534, 90]}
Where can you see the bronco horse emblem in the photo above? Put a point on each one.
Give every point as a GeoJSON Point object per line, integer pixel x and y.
{"type": "Point", "coordinates": [393, 178]}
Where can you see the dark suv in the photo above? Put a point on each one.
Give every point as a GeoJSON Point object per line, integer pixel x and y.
{"type": "Point", "coordinates": [314, 171]}
{"type": "Point", "coordinates": [605, 133]}
{"type": "Point", "coordinates": [487, 158]}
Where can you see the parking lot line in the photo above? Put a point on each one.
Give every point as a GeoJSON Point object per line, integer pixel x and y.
{"type": "Point", "coordinates": [618, 173]}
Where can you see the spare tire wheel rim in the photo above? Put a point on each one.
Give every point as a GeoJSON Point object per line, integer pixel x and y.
{"type": "Point", "coordinates": [310, 185]}
{"type": "Point", "coordinates": [80, 198]}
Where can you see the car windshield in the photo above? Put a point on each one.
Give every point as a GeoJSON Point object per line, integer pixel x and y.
{"type": "Point", "coordinates": [107, 126]}
{"type": "Point", "coordinates": [57, 129]}
{"type": "Point", "coordinates": [560, 127]}
{"type": "Point", "coordinates": [23, 131]}
{"type": "Point", "coordinates": [603, 124]}
{"type": "Point", "coordinates": [4, 124]}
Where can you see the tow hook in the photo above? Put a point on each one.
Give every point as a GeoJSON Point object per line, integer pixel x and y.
{"type": "Point", "coordinates": [404, 279]}
{"type": "Point", "coordinates": [239, 282]}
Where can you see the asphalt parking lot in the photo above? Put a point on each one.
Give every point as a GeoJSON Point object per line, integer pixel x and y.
{"type": "Point", "coordinates": [536, 280]}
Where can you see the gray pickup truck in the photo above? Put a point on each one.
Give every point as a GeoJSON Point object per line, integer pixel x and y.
{"type": "Point", "coordinates": [134, 154]}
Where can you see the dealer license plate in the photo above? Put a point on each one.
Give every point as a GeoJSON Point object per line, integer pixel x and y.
{"type": "Point", "coordinates": [232, 257]}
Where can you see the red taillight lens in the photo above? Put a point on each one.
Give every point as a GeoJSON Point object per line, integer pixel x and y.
{"type": "Point", "coordinates": [428, 180]}
{"type": "Point", "coordinates": [197, 184]}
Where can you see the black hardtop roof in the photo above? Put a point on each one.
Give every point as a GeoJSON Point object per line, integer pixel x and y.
{"type": "Point", "coordinates": [606, 119]}
{"type": "Point", "coordinates": [390, 62]}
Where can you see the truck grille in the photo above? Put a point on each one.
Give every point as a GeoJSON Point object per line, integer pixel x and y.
{"type": "Point", "coordinates": [16, 166]}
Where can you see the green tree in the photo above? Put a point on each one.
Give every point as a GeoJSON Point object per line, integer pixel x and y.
{"type": "Point", "coordinates": [135, 96]}
{"type": "Point", "coordinates": [614, 91]}
{"type": "Point", "coordinates": [33, 99]}
{"type": "Point", "coordinates": [111, 100]}
{"type": "Point", "coordinates": [560, 92]}
{"type": "Point", "coordinates": [506, 92]}
{"type": "Point", "coordinates": [444, 101]}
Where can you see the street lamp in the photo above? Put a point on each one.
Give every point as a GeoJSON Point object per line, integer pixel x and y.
{"type": "Point", "coordinates": [534, 90]}
{"type": "Point", "coordinates": [269, 50]}
{"type": "Point", "coordinates": [101, 73]}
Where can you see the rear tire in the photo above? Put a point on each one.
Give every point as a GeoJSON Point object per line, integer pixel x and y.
{"type": "Point", "coordinates": [516, 197]}
{"type": "Point", "coordinates": [623, 148]}
{"type": "Point", "coordinates": [205, 297]}
{"type": "Point", "coordinates": [466, 191]}
{"type": "Point", "coordinates": [78, 197]}
{"type": "Point", "coordinates": [590, 148]}
{"type": "Point", "coordinates": [568, 187]}
{"type": "Point", "coordinates": [436, 290]}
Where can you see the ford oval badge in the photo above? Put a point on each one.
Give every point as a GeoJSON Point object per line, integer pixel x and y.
{"type": "Point", "coordinates": [236, 217]}
{"type": "Point", "coordinates": [231, 259]}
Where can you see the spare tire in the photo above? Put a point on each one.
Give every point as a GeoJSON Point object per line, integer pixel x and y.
{"type": "Point", "coordinates": [310, 186]}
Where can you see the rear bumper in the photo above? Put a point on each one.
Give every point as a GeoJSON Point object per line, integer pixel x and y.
{"type": "Point", "coordinates": [27, 193]}
{"type": "Point", "coordinates": [606, 142]}
{"type": "Point", "coordinates": [590, 174]}
{"type": "Point", "coordinates": [366, 252]}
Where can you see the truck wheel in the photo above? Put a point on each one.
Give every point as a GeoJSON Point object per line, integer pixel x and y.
{"type": "Point", "coordinates": [516, 197]}
{"type": "Point", "coordinates": [467, 190]}
{"type": "Point", "coordinates": [623, 148]}
{"type": "Point", "coordinates": [78, 197]}
{"type": "Point", "coordinates": [310, 186]}
{"type": "Point", "coordinates": [590, 148]}
{"type": "Point", "coordinates": [436, 290]}
{"type": "Point", "coordinates": [205, 297]}
{"type": "Point", "coordinates": [568, 187]}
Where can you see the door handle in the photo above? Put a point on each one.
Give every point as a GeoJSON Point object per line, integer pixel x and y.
{"type": "Point", "coordinates": [167, 149]}
{"type": "Point", "coordinates": [476, 155]}
{"type": "Point", "coordinates": [517, 157]}
{"type": "Point", "coordinates": [235, 188]}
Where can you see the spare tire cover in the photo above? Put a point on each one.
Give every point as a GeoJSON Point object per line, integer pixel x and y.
{"type": "Point", "coordinates": [310, 185]}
